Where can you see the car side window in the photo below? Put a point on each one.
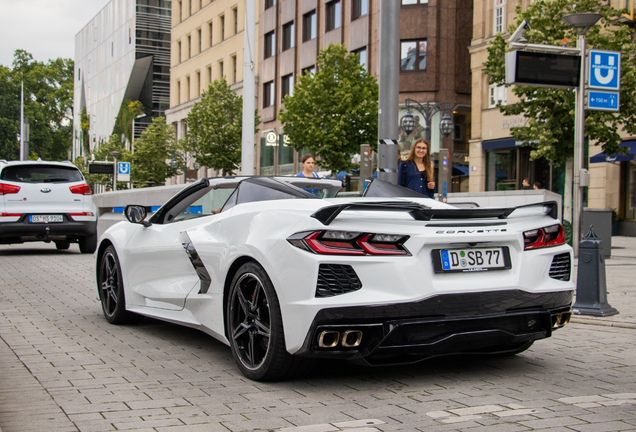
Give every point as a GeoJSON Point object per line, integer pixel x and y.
{"type": "Point", "coordinates": [210, 203]}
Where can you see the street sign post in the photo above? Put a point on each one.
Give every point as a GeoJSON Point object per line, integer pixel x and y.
{"type": "Point", "coordinates": [603, 101]}
{"type": "Point", "coordinates": [123, 171]}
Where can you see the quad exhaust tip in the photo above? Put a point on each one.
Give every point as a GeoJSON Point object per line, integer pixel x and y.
{"type": "Point", "coordinates": [561, 320]}
{"type": "Point", "coordinates": [332, 338]}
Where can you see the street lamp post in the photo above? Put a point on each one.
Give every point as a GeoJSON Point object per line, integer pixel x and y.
{"type": "Point", "coordinates": [185, 158]}
{"type": "Point", "coordinates": [115, 154]}
{"type": "Point", "coordinates": [582, 23]}
{"type": "Point", "coordinates": [427, 111]}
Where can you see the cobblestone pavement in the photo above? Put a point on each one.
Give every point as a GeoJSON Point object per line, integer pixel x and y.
{"type": "Point", "coordinates": [64, 368]}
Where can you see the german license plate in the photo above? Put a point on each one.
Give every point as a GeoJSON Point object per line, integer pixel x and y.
{"type": "Point", "coordinates": [45, 218]}
{"type": "Point", "coordinates": [471, 259]}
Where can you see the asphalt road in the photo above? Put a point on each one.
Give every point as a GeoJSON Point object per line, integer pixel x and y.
{"type": "Point", "coordinates": [64, 368]}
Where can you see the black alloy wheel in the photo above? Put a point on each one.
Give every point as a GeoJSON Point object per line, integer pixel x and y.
{"type": "Point", "coordinates": [255, 328]}
{"type": "Point", "coordinates": [111, 290]}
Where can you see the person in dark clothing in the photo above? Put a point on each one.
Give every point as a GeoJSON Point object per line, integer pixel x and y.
{"type": "Point", "coordinates": [525, 183]}
{"type": "Point", "coordinates": [416, 172]}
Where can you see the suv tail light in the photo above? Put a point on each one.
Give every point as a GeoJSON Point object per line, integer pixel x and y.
{"type": "Point", "coordinates": [83, 189]}
{"type": "Point", "coordinates": [6, 189]}
{"type": "Point", "coordinates": [349, 243]}
{"type": "Point", "coordinates": [552, 235]}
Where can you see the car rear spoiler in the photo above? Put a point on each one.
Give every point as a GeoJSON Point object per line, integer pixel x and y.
{"type": "Point", "coordinates": [326, 215]}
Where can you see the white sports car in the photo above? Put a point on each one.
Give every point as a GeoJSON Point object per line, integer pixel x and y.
{"type": "Point", "coordinates": [283, 277]}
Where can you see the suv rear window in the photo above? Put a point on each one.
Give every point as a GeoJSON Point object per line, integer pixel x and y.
{"type": "Point", "coordinates": [41, 174]}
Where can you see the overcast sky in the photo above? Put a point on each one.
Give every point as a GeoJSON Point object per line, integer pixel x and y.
{"type": "Point", "coordinates": [45, 28]}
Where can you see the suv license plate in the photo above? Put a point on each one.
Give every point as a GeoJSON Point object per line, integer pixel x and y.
{"type": "Point", "coordinates": [471, 259]}
{"type": "Point", "coordinates": [45, 218]}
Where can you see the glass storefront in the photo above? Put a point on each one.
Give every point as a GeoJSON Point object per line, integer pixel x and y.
{"type": "Point", "coordinates": [501, 170]}
{"type": "Point", "coordinates": [630, 191]}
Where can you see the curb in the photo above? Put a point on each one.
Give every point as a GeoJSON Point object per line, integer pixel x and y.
{"type": "Point", "coordinates": [597, 321]}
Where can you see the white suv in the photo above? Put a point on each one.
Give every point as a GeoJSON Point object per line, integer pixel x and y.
{"type": "Point", "coordinates": [46, 201]}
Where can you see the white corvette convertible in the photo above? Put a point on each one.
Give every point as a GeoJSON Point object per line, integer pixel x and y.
{"type": "Point", "coordinates": [283, 277]}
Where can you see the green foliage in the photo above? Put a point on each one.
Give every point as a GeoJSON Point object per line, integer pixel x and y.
{"type": "Point", "coordinates": [128, 112]}
{"type": "Point", "coordinates": [333, 111]}
{"type": "Point", "coordinates": [215, 128]}
{"type": "Point", "coordinates": [550, 112]}
{"type": "Point", "coordinates": [148, 162]}
{"type": "Point", "coordinates": [48, 104]}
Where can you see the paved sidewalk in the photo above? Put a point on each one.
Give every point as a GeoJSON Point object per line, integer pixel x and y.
{"type": "Point", "coordinates": [620, 271]}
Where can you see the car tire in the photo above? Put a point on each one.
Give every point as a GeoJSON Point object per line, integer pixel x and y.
{"type": "Point", "coordinates": [88, 244]}
{"type": "Point", "coordinates": [111, 290]}
{"type": "Point", "coordinates": [62, 245]}
{"type": "Point", "coordinates": [254, 328]}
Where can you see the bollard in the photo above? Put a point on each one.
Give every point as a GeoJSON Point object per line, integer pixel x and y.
{"type": "Point", "coordinates": [591, 291]}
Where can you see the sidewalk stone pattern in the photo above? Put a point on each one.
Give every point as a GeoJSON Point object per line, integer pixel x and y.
{"type": "Point", "coordinates": [64, 368]}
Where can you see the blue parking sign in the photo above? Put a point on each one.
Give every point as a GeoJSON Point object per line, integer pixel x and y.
{"type": "Point", "coordinates": [604, 69]}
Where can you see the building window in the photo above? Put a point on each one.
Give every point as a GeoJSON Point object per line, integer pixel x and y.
{"type": "Point", "coordinates": [209, 74]}
{"type": "Point", "coordinates": [309, 70]}
{"type": "Point", "coordinates": [178, 52]}
{"type": "Point", "coordinates": [496, 95]}
{"type": "Point", "coordinates": [79, 74]}
{"type": "Point", "coordinates": [235, 19]}
{"type": "Point", "coordinates": [413, 55]}
{"type": "Point", "coordinates": [221, 69]}
{"type": "Point", "coordinates": [268, 94]}
{"type": "Point", "coordinates": [233, 69]}
{"type": "Point", "coordinates": [362, 54]}
{"type": "Point", "coordinates": [270, 44]}
{"type": "Point", "coordinates": [359, 8]}
{"type": "Point", "coordinates": [189, 46]}
{"type": "Point", "coordinates": [178, 92]}
{"type": "Point", "coordinates": [309, 26]}
{"type": "Point", "coordinates": [199, 40]}
{"type": "Point", "coordinates": [333, 15]}
{"type": "Point", "coordinates": [180, 11]}
{"type": "Point", "coordinates": [198, 83]}
{"type": "Point", "coordinates": [499, 20]}
{"type": "Point", "coordinates": [211, 34]}
{"type": "Point", "coordinates": [187, 89]}
{"type": "Point", "coordinates": [412, 2]}
{"type": "Point", "coordinates": [222, 27]}
{"type": "Point", "coordinates": [288, 36]}
{"type": "Point", "coordinates": [287, 86]}
{"type": "Point", "coordinates": [270, 3]}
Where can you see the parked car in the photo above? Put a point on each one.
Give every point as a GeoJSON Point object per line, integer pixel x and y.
{"type": "Point", "coordinates": [46, 201]}
{"type": "Point", "coordinates": [285, 277]}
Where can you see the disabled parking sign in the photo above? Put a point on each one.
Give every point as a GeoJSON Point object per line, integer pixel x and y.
{"type": "Point", "coordinates": [604, 69]}
{"type": "Point", "coordinates": [123, 171]}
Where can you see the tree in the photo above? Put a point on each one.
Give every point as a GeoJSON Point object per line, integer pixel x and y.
{"type": "Point", "coordinates": [48, 104]}
{"type": "Point", "coordinates": [333, 111]}
{"type": "Point", "coordinates": [215, 127]}
{"type": "Point", "coordinates": [148, 161]}
{"type": "Point", "coordinates": [549, 111]}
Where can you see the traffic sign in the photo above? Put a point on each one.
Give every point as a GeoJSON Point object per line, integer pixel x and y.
{"type": "Point", "coordinates": [604, 69]}
{"type": "Point", "coordinates": [603, 101]}
{"type": "Point", "coordinates": [123, 171]}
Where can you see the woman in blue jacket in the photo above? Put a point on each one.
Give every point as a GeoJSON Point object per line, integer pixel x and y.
{"type": "Point", "coordinates": [416, 172]}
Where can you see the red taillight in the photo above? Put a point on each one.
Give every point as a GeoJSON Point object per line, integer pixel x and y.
{"type": "Point", "coordinates": [82, 214]}
{"type": "Point", "coordinates": [6, 189]}
{"type": "Point", "coordinates": [349, 243]}
{"type": "Point", "coordinates": [553, 235]}
{"type": "Point", "coordinates": [10, 214]}
{"type": "Point", "coordinates": [82, 189]}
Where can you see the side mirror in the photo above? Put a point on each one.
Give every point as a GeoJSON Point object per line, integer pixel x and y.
{"type": "Point", "coordinates": [137, 214]}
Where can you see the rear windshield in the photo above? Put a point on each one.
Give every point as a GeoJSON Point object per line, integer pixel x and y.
{"type": "Point", "coordinates": [41, 174]}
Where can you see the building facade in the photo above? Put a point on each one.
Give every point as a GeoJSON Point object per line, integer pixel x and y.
{"type": "Point", "coordinates": [498, 162]}
{"type": "Point", "coordinates": [123, 53]}
{"type": "Point", "coordinates": [434, 59]}
{"type": "Point", "coordinates": [207, 44]}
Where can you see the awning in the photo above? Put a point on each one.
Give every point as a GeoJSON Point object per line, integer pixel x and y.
{"type": "Point", "coordinates": [602, 157]}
